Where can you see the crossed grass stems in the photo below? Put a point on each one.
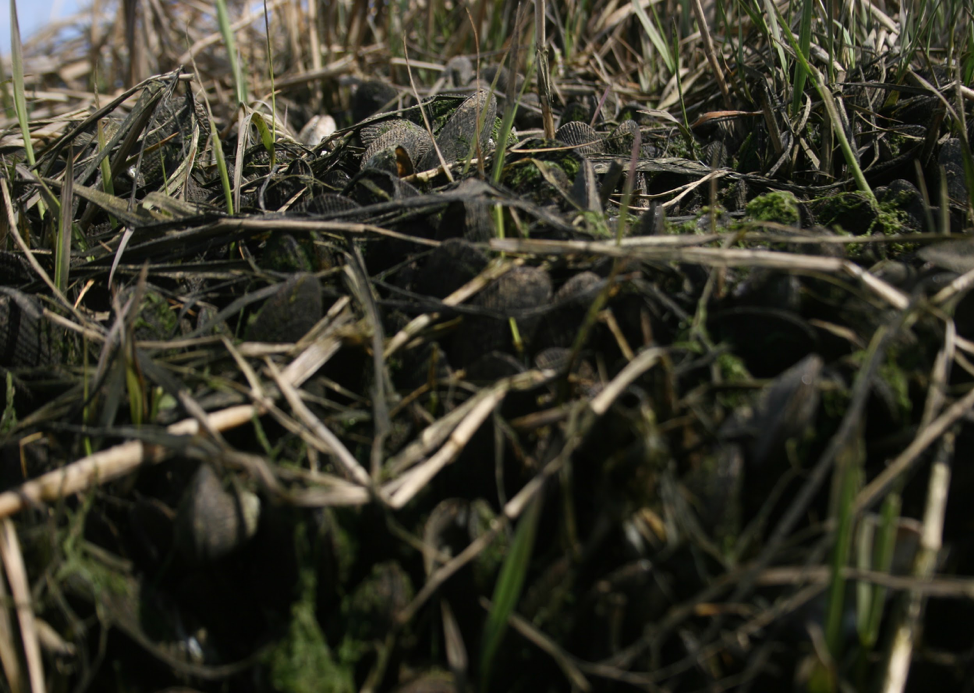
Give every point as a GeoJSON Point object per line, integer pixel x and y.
{"type": "Point", "coordinates": [796, 44]}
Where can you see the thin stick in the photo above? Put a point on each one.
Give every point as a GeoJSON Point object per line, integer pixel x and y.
{"type": "Point", "coordinates": [708, 49]}
{"type": "Point", "coordinates": [106, 465]}
{"type": "Point", "coordinates": [544, 77]}
{"type": "Point", "coordinates": [13, 565]}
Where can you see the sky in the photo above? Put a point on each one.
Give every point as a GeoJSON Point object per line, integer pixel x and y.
{"type": "Point", "coordinates": [32, 15]}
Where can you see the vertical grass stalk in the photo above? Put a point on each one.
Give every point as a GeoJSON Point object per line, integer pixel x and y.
{"type": "Point", "coordinates": [239, 83]}
{"type": "Point", "coordinates": [62, 250]}
{"type": "Point", "coordinates": [507, 591]}
{"type": "Point", "coordinates": [804, 45]}
{"type": "Point", "coordinates": [848, 479]}
{"type": "Point", "coordinates": [17, 66]}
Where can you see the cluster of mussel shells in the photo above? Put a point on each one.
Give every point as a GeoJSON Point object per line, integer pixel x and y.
{"type": "Point", "coordinates": [217, 516]}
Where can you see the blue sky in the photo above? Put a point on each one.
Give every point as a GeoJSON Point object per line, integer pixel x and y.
{"type": "Point", "coordinates": [32, 14]}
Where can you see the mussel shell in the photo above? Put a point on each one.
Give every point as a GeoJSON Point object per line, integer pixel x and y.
{"type": "Point", "coordinates": [455, 139]}
{"type": "Point", "coordinates": [371, 97]}
{"type": "Point", "coordinates": [511, 296]}
{"type": "Point", "coordinates": [213, 521]}
{"type": "Point", "coordinates": [288, 315]}
{"type": "Point", "coordinates": [25, 337]}
{"type": "Point", "coordinates": [582, 136]}
{"type": "Point", "coordinates": [451, 265]}
{"type": "Point", "coordinates": [410, 137]}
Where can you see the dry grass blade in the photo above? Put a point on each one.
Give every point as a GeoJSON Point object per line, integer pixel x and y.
{"type": "Point", "coordinates": [322, 342]}
{"type": "Point", "coordinates": [676, 364]}
{"type": "Point", "coordinates": [9, 657]}
{"type": "Point", "coordinates": [456, 650]}
{"type": "Point", "coordinates": [929, 435]}
{"type": "Point", "coordinates": [405, 487]}
{"type": "Point", "coordinates": [16, 573]}
{"type": "Point", "coordinates": [710, 51]}
{"type": "Point", "coordinates": [346, 460]}
{"type": "Point", "coordinates": [468, 290]}
{"type": "Point", "coordinates": [107, 465]}
{"type": "Point", "coordinates": [907, 620]}
{"type": "Point", "coordinates": [544, 75]}
{"type": "Point", "coordinates": [633, 370]}
{"type": "Point", "coordinates": [714, 257]}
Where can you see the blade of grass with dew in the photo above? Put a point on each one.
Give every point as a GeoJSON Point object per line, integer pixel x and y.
{"type": "Point", "coordinates": [62, 250]}
{"type": "Point", "coordinates": [507, 591]}
{"type": "Point", "coordinates": [239, 83]}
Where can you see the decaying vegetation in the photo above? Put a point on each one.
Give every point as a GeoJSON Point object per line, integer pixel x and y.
{"type": "Point", "coordinates": [436, 346]}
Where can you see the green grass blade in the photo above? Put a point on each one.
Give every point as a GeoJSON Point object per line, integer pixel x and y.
{"type": "Point", "coordinates": [507, 591]}
{"type": "Point", "coordinates": [239, 83]}
{"type": "Point", "coordinates": [627, 188]}
{"type": "Point", "coordinates": [17, 65]}
{"type": "Point", "coordinates": [5, 98]}
{"type": "Point", "coordinates": [804, 45]}
{"type": "Point", "coordinates": [270, 73]}
{"type": "Point", "coordinates": [62, 251]}
{"type": "Point", "coordinates": [106, 169]}
{"type": "Point", "coordinates": [655, 36]}
{"type": "Point", "coordinates": [134, 386]}
{"type": "Point", "coordinates": [769, 8]}
{"type": "Point", "coordinates": [848, 471]}
{"type": "Point", "coordinates": [221, 164]}
{"type": "Point", "coordinates": [882, 559]}
{"type": "Point", "coordinates": [266, 137]}
{"type": "Point", "coordinates": [823, 91]}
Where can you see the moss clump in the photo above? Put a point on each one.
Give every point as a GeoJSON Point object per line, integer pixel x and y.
{"type": "Point", "coordinates": [520, 175]}
{"type": "Point", "coordinates": [495, 132]}
{"type": "Point", "coordinates": [779, 206]}
{"type": "Point", "coordinates": [733, 370]}
{"type": "Point", "coordinates": [303, 662]}
{"type": "Point", "coordinates": [371, 610]}
{"type": "Point", "coordinates": [157, 320]}
{"type": "Point", "coordinates": [690, 227]}
{"type": "Point", "coordinates": [854, 212]}
{"type": "Point", "coordinates": [595, 224]}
